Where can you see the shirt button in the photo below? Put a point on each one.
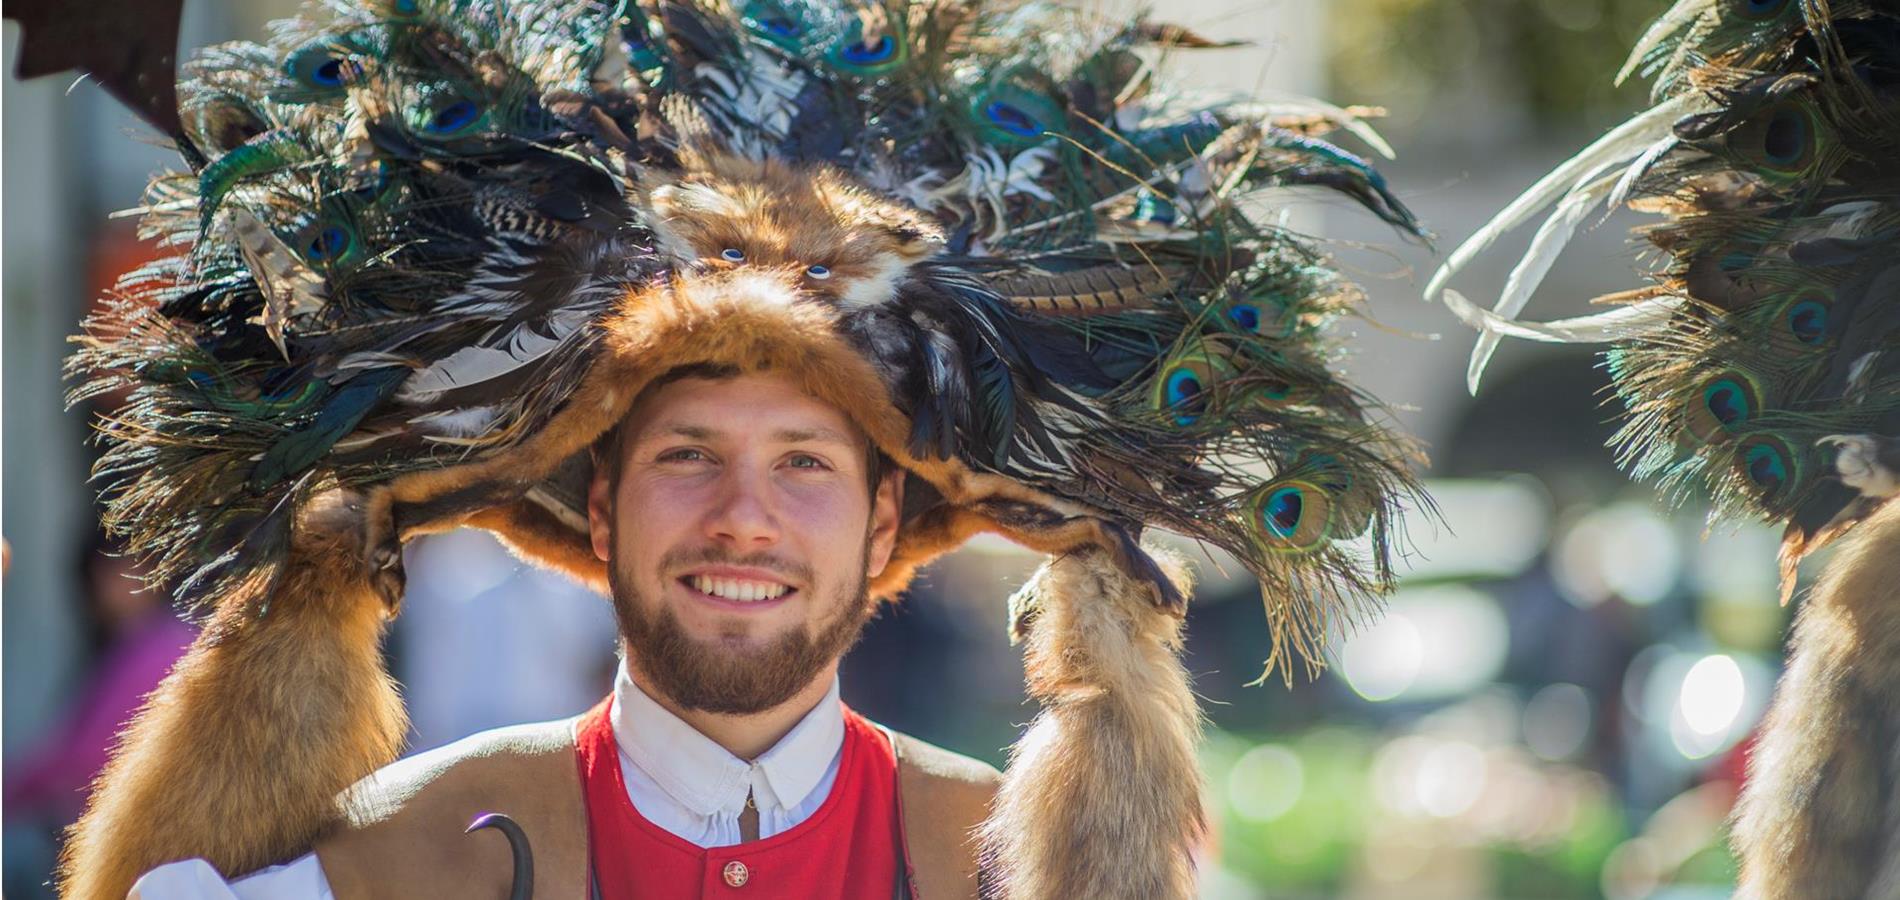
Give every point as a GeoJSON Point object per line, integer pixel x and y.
{"type": "Point", "coordinates": [736, 874]}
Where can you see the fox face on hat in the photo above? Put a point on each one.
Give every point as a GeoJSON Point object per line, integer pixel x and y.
{"type": "Point", "coordinates": [433, 251]}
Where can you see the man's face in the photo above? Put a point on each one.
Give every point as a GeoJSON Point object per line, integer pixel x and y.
{"type": "Point", "coordinates": [739, 537]}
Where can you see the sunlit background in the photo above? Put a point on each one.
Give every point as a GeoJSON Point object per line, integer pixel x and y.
{"type": "Point", "coordinates": [1556, 703]}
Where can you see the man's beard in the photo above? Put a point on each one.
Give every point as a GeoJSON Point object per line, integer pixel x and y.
{"type": "Point", "coordinates": [712, 678]}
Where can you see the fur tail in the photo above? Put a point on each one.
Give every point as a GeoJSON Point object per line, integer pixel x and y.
{"type": "Point", "coordinates": [1102, 795]}
{"type": "Point", "coordinates": [1820, 817]}
{"type": "Point", "coordinates": [240, 754]}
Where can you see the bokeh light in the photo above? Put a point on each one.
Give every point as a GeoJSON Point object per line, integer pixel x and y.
{"type": "Point", "coordinates": [1265, 783]}
{"type": "Point", "coordinates": [1557, 721]}
{"type": "Point", "coordinates": [1712, 694]}
{"type": "Point", "coordinates": [1431, 643]}
{"type": "Point", "coordinates": [1627, 551]}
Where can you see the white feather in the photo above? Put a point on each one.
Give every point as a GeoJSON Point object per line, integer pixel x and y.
{"type": "Point", "coordinates": [1677, 18]}
{"type": "Point", "coordinates": [1576, 187]}
{"type": "Point", "coordinates": [456, 423]}
{"type": "Point", "coordinates": [1642, 165]}
{"type": "Point", "coordinates": [1306, 106]}
{"type": "Point", "coordinates": [1529, 272]}
{"type": "Point", "coordinates": [1625, 141]}
{"type": "Point", "coordinates": [525, 344]}
{"type": "Point", "coordinates": [1645, 317]}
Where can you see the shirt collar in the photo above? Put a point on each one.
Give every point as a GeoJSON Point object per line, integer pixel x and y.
{"type": "Point", "coordinates": [702, 776]}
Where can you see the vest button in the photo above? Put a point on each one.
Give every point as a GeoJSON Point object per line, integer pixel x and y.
{"type": "Point", "coordinates": [736, 874]}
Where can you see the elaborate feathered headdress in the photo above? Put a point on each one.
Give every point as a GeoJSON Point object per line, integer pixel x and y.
{"type": "Point", "coordinates": [435, 249]}
{"type": "Point", "coordinates": [1762, 368]}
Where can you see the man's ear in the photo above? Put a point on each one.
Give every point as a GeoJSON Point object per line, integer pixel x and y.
{"type": "Point", "coordinates": [600, 511]}
{"type": "Point", "coordinates": [887, 506]}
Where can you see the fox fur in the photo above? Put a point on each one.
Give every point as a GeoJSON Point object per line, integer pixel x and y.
{"type": "Point", "coordinates": [1101, 798]}
{"type": "Point", "coordinates": [239, 755]}
{"type": "Point", "coordinates": [1820, 816]}
{"type": "Point", "coordinates": [790, 218]}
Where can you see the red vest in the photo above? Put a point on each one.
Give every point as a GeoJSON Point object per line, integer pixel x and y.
{"type": "Point", "coordinates": [851, 848]}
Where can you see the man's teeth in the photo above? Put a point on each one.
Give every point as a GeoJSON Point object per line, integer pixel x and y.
{"type": "Point", "coordinates": [738, 588]}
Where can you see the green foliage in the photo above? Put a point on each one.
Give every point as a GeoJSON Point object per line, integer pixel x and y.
{"type": "Point", "coordinates": [1558, 55]}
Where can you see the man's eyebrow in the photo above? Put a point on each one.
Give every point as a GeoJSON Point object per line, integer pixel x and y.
{"type": "Point", "coordinates": [783, 435]}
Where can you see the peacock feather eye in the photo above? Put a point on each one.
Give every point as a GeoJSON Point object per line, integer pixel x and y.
{"type": "Point", "coordinates": [1781, 140]}
{"type": "Point", "coordinates": [329, 243]}
{"type": "Point", "coordinates": [1352, 511]}
{"type": "Point", "coordinates": [224, 124]}
{"type": "Point", "coordinates": [320, 67]}
{"type": "Point", "coordinates": [870, 57]}
{"type": "Point", "coordinates": [1786, 140]}
{"type": "Point", "coordinates": [776, 23]}
{"type": "Point", "coordinates": [1255, 314]}
{"type": "Point", "coordinates": [1185, 392]}
{"type": "Point", "coordinates": [1281, 511]}
{"type": "Point", "coordinates": [1292, 515]}
{"type": "Point", "coordinates": [1760, 10]}
{"type": "Point", "coordinates": [1188, 382]}
{"type": "Point", "coordinates": [1807, 320]}
{"type": "Point", "coordinates": [453, 118]}
{"type": "Point", "coordinates": [1013, 119]}
{"type": "Point", "coordinates": [1246, 316]}
{"type": "Point", "coordinates": [1270, 393]}
{"type": "Point", "coordinates": [1019, 108]}
{"type": "Point", "coordinates": [870, 54]}
{"type": "Point", "coordinates": [732, 255]}
{"type": "Point", "coordinates": [817, 273]}
{"type": "Point", "coordinates": [1768, 464]}
{"type": "Point", "coordinates": [1723, 406]}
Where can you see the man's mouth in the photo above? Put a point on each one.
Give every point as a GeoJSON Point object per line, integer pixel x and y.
{"type": "Point", "coordinates": [737, 590]}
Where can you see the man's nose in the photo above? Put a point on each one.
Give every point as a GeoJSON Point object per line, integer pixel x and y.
{"type": "Point", "coordinates": [743, 512]}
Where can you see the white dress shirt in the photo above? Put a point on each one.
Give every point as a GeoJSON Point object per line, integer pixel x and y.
{"type": "Point", "coordinates": [677, 778]}
{"type": "Point", "coordinates": [685, 783]}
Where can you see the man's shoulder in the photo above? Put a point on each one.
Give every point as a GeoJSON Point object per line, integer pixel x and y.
{"type": "Point", "coordinates": [406, 821]}
{"type": "Point", "coordinates": [944, 769]}
{"type": "Point", "coordinates": [488, 760]}
{"type": "Point", "coordinates": [946, 796]}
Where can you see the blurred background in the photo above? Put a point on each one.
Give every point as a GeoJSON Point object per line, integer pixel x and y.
{"type": "Point", "coordinates": [1556, 704]}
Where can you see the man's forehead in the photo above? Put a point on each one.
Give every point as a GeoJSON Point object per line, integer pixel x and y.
{"type": "Point", "coordinates": [707, 408]}
{"type": "Point", "coordinates": [786, 435]}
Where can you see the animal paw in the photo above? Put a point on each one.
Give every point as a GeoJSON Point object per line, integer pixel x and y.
{"type": "Point", "coordinates": [1865, 462]}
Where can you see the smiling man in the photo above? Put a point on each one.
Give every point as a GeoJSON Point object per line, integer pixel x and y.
{"type": "Point", "coordinates": [741, 522]}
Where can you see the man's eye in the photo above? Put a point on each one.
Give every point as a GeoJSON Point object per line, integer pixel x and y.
{"type": "Point", "coordinates": [684, 455]}
{"type": "Point", "coordinates": [815, 462]}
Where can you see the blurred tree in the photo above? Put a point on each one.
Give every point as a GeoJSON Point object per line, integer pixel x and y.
{"type": "Point", "coordinates": [1554, 58]}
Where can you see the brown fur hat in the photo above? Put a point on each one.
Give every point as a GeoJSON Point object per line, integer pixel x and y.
{"type": "Point", "coordinates": [752, 322]}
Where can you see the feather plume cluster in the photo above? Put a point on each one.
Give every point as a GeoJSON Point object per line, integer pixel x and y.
{"type": "Point", "coordinates": [1760, 369]}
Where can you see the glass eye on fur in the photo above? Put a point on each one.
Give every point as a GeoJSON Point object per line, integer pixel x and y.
{"type": "Point", "coordinates": [732, 255]}
{"type": "Point", "coordinates": [818, 272]}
